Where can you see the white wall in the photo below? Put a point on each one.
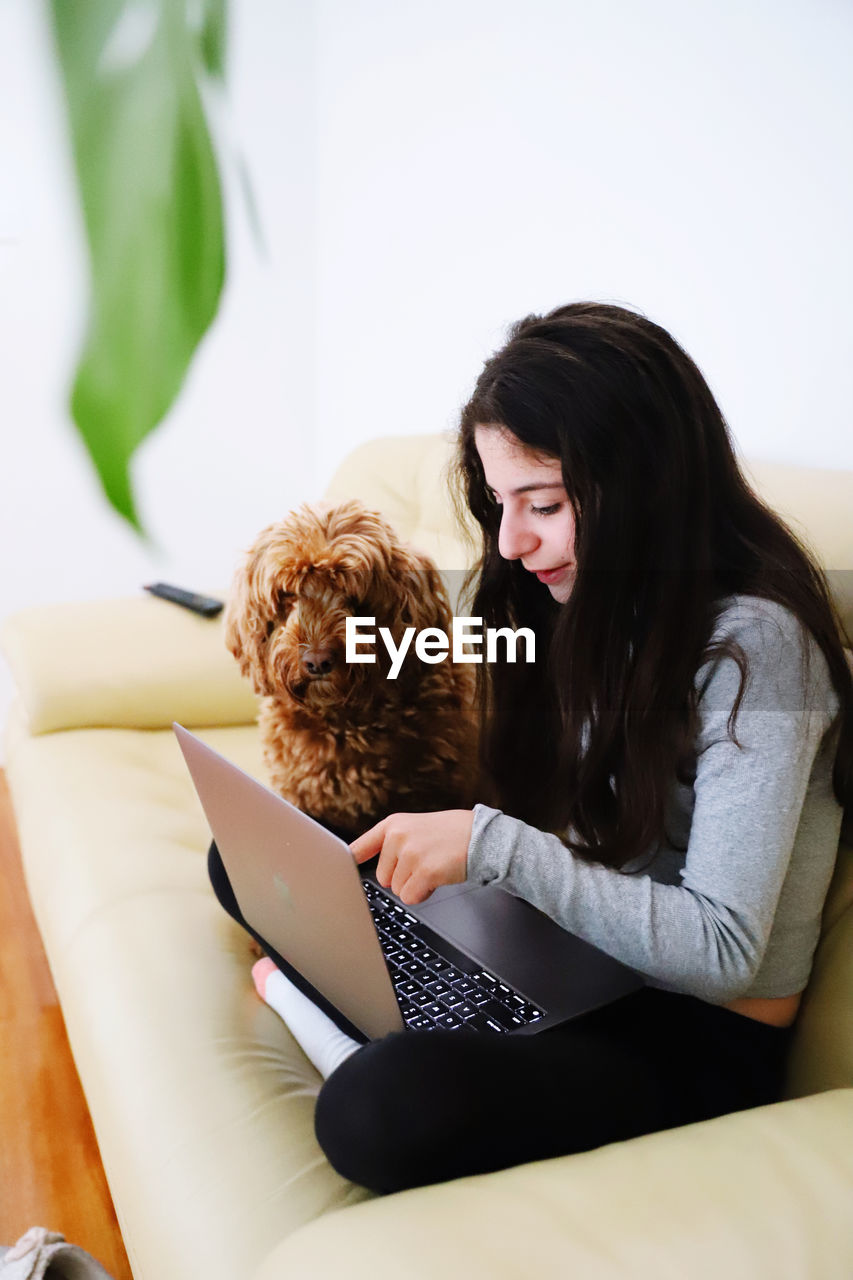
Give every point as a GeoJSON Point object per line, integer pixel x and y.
{"type": "Point", "coordinates": [426, 173]}
{"type": "Point", "coordinates": [481, 159]}
{"type": "Point", "coordinates": [237, 450]}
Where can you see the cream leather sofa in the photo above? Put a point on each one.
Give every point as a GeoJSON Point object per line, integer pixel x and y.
{"type": "Point", "coordinates": [201, 1100]}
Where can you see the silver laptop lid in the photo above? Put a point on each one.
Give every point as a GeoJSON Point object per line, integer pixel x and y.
{"type": "Point", "coordinates": [298, 886]}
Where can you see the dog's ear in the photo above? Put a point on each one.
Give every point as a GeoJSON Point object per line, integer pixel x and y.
{"type": "Point", "coordinates": [235, 641]}
{"type": "Point", "coordinates": [245, 624]}
{"type": "Point", "coordinates": [424, 600]}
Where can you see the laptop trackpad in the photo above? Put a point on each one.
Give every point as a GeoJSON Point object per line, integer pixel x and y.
{"type": "Point", "coordinates": [525, 947]}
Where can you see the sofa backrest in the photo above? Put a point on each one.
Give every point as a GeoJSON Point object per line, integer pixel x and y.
{"type": "Point", "coordinates": [406, 478]}
{"type": "Point", "coordinates": [817, 504]}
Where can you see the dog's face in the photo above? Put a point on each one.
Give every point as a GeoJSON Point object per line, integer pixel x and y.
{"type": "Point", "coordinates": [303, 577]}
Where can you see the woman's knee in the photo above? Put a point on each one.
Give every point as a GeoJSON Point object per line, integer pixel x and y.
{"type": "Point", "coordinates": [349, 1119]}
{"type": "Point", "coordinates": [369, 1114]}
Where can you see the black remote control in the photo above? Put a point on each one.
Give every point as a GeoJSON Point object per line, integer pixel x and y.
{"type": "Point", "coordinates": [207, 606]}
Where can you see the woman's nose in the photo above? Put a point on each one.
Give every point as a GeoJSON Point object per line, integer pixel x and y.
{"type": "Point", "coordinates": [514, 540]}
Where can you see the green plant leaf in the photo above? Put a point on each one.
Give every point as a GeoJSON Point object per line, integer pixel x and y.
{"type": "Point", "coordinates": [211, 36]}
{"type": "Point", "coordinates": [152, 208]}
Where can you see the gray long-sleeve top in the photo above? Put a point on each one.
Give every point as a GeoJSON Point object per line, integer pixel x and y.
{"type": "Point", "coordinates": [739, 913]}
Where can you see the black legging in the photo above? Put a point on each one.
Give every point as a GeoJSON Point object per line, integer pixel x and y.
{"type": "Point", "coordinates": [417, 1108]}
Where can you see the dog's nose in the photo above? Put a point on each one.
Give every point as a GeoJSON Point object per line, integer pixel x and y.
{"type": "Point", "coordinates": [317, 662]}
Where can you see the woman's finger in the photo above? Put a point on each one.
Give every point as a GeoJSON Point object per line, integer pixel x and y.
{"type": "Point", "coordinates": [414, 892]}
{"type": "Point", "coordinates": [392, 848]}
{"type": "Point", "coordinates": [369, 843]}
{"type": "Point", "coordinates": [400, 870]}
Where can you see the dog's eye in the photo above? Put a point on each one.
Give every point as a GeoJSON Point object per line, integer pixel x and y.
{"type": "Point", "coordinates": [270, 627]}
{"type": "Point", "coordinates": [284, 603]}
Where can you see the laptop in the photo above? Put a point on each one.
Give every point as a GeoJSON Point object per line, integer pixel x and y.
{"type": "Point", "coordinates": [470, 956]}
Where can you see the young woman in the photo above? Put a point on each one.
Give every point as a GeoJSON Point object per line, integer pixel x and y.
{"type": "Point", "coordinates": [666, 781]}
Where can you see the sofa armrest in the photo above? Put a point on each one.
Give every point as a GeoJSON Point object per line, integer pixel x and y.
{"type": "Point", "coordinates": [760, 1193]}
{"type": "Point", "coordinates": [130, 663]}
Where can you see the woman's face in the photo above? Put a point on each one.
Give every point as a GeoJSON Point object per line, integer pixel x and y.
{"type": "Point", "coordinates": [537, 521]}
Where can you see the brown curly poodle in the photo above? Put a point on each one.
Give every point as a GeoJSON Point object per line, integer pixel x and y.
{"type": "Point", "coordinates": [342, 741]}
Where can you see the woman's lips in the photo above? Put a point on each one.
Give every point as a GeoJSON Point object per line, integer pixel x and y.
{"type": "Point", "coordinates": [550, 575]}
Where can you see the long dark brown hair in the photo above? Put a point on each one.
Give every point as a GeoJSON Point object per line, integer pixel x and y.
{"type": "Point", "coordinates": [586, 741]}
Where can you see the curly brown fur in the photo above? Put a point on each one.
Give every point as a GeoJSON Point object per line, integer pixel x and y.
{"type": "Point", "coordinates": [341, 741]}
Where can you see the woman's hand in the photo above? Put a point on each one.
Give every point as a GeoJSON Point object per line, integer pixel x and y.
{"type": "Point", "coordinates": [418, 851]}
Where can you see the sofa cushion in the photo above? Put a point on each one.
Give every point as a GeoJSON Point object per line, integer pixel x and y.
{"type": "Point", "coordinates": [138, 663]}
{"type": "Point", "coordinates": [202, 1102]}
{"type": "Point", "coordinates": [762, 1193]}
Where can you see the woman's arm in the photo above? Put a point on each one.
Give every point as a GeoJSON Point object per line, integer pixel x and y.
{"type": "Point", "coordinates": [707, 935]}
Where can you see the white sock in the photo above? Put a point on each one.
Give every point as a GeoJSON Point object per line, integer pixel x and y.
{"type": "Point", "coordinates": [318, 1037]}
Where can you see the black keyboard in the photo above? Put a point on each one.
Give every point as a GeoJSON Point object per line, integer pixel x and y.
{"type": "Point", "coordinates": [433, 991]}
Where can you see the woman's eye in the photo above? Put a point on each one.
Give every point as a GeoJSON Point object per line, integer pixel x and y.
{"type": "Point", "coordinates": [547, 511]}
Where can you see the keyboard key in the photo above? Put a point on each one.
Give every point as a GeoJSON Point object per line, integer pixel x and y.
{"type": "Point", "coordinates": [456, 1003]}
{"type": "Point", "coordinates": [481, 1023]}
{"type": "Point", "coordinates": [453, 975]}
{"type": "Point", "coordinates": [419, 1023]}
{"type": "Point", "coordinates": [448, 1022]}
{"type": "Point", "coordinates": [433, 1010]}
{"type": "Point", "coordinates": [495, 1010]}
{"type": "Point", "coordinates": [421, 998]}
{"type": "Point", "coordinates": [437, 986]}
{"type": "Point", "coordinates": [406, 987]}
{"type": "Point", "coordinates": [452, 1000]}
{"type": "Point", "coordinates": [486, 979]}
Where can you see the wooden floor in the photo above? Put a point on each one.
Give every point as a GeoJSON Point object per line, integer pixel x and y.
{"type": "Point", "coordinates": [50, 1170]}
